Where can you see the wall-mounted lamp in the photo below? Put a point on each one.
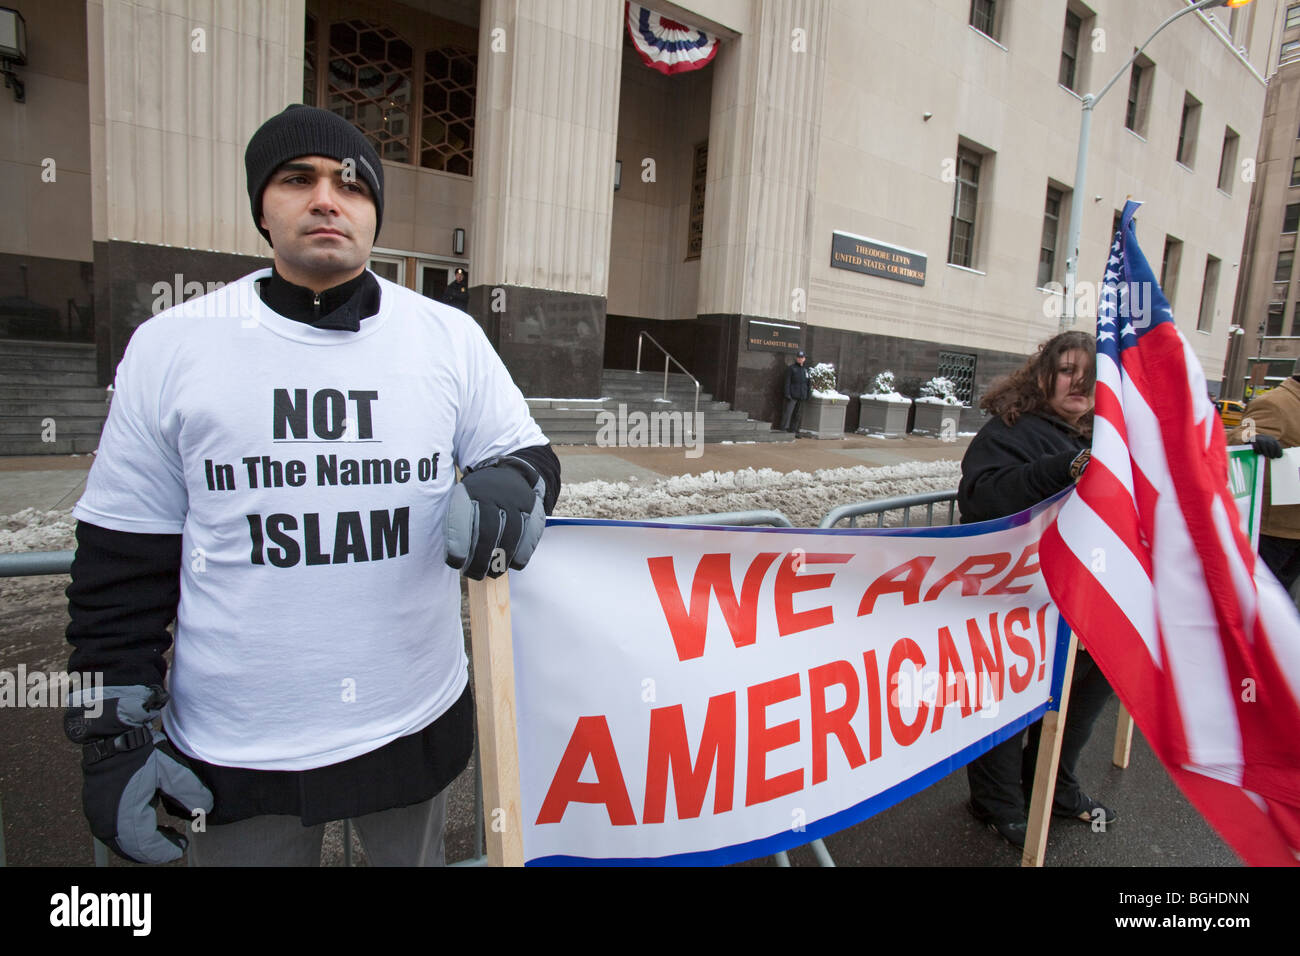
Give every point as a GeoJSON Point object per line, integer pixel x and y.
{"type": "Point", "coordinates": [926, 116]}
{"type": "Point", "coordinates": [13, 50]}
{"type": "Point", "coordinates": [618, 175]}
{"type": "Point", "coordinates": [458, 242]}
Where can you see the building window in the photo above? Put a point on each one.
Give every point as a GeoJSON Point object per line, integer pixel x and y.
{"type": "Point", "coordinates": [370, 84]}
{"type": "Point", "coordinates": [1187, 130]}
{"type": "Point", "coordinates": [447, 126]}
{"type": "Point", "coordinates": [1139, 94]}
{"type": "Point", "coordinates": [965, 202]}
{"type": "Point", "coordinates": [1290, 50]}
{"type": "Point", "coordinates": [1228, 159]}
{"type": "Point", "coordinates": [984, 17]}
{"type": "Point", "coordinates": [1209, 291]}
{"type": "Point", "coordinates": [1069, 50]}
{"type": "Point", "coordinates": [1051, 233]}
{"type": "Point", "coordinates": [1169, 264]}
{"type": "Point", "coordinates": [1276, 312]}
{"type": "Point", "coordinates": [959, 368]}
{"type": "Point", "coordinates": [1292, 16]}
{"type": "Point", "coordinates": [309, 62]}
{"type": "Point", "coordinates": [1285, 258]}
{"type": "Point", "coordinates": [1295, 171]}
{"type": "Point", "coordinates": [413, 97]}
{"type": "Point", "coordinates": [1292, 218]}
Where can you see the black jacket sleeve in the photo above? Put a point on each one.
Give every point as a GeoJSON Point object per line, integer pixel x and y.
{"type": "Point", "coordinates": [542, 457]}
{"type": "Point", "coordinates": [1008, 469]}
{"type": "Point", "coordinates": [124, 592]}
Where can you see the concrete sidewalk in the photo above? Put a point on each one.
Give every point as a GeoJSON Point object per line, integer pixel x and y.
{"type": "Point", "coordinates": [55, 482]}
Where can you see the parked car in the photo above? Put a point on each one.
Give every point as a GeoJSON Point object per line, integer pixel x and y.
{"type": "Point", "coordinates": [1230, 412]}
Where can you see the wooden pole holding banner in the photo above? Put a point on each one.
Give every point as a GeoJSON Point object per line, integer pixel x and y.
{"type": "Point", "coordinates": [1049, 753]}
{"type": "Point", "coordinates": [494, 694]}
{"type": "Point", "coordinates": [1123, 738]}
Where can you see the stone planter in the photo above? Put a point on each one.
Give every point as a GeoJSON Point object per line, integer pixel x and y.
{"type": "Point", "coordinates": [930, 417]}
{"type": "Point", "coordinates": [880, 417]}
{"type": "Point", "coordinates": [972, 419]}
{"type": "Point", "coordinates": [824, 417]}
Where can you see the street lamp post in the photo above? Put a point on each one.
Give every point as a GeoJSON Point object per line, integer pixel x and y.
{"type": "Point", "coordinates": [1090, 101]}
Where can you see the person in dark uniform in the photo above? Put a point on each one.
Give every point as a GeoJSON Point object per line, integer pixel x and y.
{"type": "Point", "coordinates": [797, 389]}
{"type": "Point", "coordinates": [1036, 444]}
{"type": "Point", "coordinates": [458, 291]}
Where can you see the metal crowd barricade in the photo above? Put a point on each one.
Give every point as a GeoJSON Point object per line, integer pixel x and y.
{"type": "Point", "coordinates": [904, 503]}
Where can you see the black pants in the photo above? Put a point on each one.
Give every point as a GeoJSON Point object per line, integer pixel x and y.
{"type": "Point", "coordinates": [793, 416]}
{"type": "Point", "coordinates": [1000, 780]}
{"type": "Point", "coordinates": [1282, 556]}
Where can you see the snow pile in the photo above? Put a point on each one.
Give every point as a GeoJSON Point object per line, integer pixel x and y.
{"type": "Point", "coordinates": [884, 389]}
{"type": "Point", "coordinates": [894, 397]}
{"type": "Point", "coordinates": [802, 497]}
{"type": "Point", "coordinates": [34, 530]}
{"type": "Point", "coordinates": [939, 391]}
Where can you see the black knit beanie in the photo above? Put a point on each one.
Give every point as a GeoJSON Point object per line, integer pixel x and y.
{"type": "Point", "coordinates": [308, 131]}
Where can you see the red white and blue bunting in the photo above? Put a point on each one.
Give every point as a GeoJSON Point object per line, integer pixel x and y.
{"type": "Point", "coordinates": [667, 45]}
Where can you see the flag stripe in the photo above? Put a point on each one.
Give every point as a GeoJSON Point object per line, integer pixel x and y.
{"type": "Point", "coordinates": [1198, 640]}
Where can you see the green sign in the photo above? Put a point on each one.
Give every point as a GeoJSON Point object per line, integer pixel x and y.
{"type": "Point", "coordinates": [1246, 483]}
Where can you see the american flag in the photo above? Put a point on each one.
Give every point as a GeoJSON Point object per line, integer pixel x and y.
{"type": "Point", "coordinates": [1148, 564]}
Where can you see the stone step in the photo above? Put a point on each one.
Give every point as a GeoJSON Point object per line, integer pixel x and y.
{"type": "Point", "coordinates": [52, 363]}
{"type": "Point", "coordinates": [56, 408]}
{"type": "Point", "coordinates": [75, 393]}
{"type": "Point", "coordinates": [625, 393]}
{"type": "Point", "coordinates": [66, 445]}
{"type": "Point", "coordinates": [28, 426]}
{"type": "Point", "coordinates": [46, 377]}
{"type": "Point", "coordinates": [646, 374]}
{"type": "Point", "coordinates": [36, 347]}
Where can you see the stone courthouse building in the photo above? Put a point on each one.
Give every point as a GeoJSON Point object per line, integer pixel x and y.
{"type": "Point", "coordinates": [884, 183]}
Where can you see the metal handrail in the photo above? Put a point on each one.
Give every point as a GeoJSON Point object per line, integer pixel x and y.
{"type": "Point", "coordinates": [669, 358]}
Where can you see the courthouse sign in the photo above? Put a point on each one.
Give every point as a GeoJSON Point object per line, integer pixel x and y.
{"type": "Point", "coordinates": [859, 254]}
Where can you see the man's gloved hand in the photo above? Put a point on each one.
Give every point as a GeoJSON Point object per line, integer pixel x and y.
{"type": "Point", "coordinates": [1268, 446]}
{"type": "Point", "coordinates": [126, 766]}
{"type": "Point", "coordinates": [495, 518]}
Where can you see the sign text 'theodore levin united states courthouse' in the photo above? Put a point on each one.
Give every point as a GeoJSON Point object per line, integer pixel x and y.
{"type": "Point", "coordinates": [876, 259]}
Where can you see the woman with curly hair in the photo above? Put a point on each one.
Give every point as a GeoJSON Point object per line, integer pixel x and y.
{"type": "Point", "coordinates": [1036, 444]}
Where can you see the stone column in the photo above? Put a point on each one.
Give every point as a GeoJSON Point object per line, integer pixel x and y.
{"type": "Point", "coordinates": [545, 132]}
{"type": "Point", "coordinates": [764, 135]}
{"type": "Point", "coordinates": [176, 90]}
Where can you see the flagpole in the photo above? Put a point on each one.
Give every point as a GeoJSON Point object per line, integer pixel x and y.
{"type": "Point", "coordinates": [1090, 101]}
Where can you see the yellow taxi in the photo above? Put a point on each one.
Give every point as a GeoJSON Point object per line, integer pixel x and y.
{"type": "Point", "coordinates": [1230, 412]}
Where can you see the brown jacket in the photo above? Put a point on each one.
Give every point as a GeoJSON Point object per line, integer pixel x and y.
{"type": "Point", "coordinates": [1275, 413]}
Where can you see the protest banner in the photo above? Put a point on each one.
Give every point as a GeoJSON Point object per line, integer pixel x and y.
{"type": "Point", "coordinates": [691, 695]}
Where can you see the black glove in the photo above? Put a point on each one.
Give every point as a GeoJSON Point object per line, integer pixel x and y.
{"type": "Point", "coordinates": [1268, 446]}
{"type": "Point", "coordinates": [126, 766]}
{"type": "Point", "coordinates": [495, 518]}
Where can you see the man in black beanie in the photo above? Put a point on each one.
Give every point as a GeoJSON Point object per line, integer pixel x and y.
{"type": "Point", "coordinates": [277, 475]}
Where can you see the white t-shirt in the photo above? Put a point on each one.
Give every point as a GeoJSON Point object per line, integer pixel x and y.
{"type": "Point", "coordinates": [308, 471]}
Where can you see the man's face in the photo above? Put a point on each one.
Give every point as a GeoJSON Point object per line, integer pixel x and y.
{"type": "Point", "coordinates": [800, 359]}
{"type": "Point", "coordinates": [322, 227]}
